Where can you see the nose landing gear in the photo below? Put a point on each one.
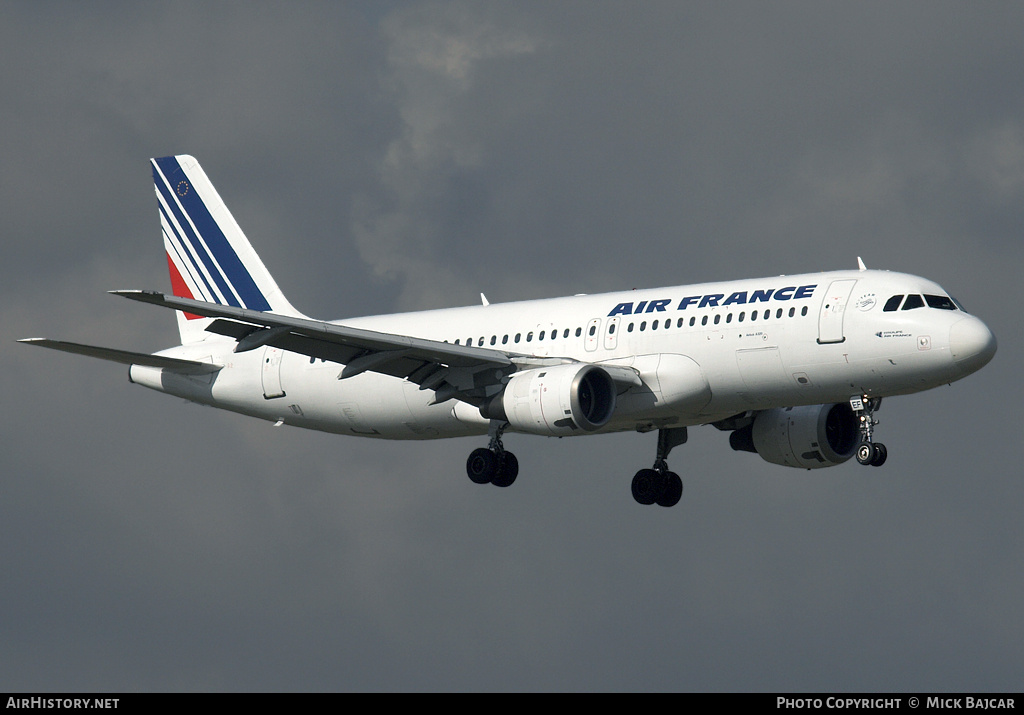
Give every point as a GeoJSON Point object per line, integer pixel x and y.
{"type": "Point", "coordinates": [868, 452]}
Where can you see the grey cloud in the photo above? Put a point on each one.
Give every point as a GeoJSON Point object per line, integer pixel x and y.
{"type": "Point", "coordinates": [398, 156]}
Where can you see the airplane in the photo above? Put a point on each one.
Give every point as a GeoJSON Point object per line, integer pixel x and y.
{"type": "Point", "coordinates": [793, 367]}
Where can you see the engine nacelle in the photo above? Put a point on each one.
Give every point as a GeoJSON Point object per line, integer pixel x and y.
{"type": "Point", "coordinates": [560, 400]}
{"type": "Point", "coordinates": [808, 437]}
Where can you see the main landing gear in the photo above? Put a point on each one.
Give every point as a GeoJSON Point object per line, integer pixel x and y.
{"type": "Point", "coordinates": [868, 452]}
{"type": "Point", "coordinates": [659, 485]}
{"type": "Point", "coordinates": [493, 464]}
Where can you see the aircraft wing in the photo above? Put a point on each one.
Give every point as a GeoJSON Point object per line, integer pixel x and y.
{"type": "Point", "coordinates": [469, 373]}
{"type": "Point", "coordinates": [450, 370]}
{"type": "Point", "coordinates": [126, 357]}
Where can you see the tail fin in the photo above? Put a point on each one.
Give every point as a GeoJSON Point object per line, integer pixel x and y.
{"type": "Point", "coordinates": [208, 256]}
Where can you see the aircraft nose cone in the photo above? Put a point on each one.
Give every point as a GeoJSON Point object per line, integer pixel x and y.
{"type": "Point", "coordinates": [972, 344]}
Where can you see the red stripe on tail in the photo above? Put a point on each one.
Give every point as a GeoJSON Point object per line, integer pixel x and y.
{"type": "Point", "coordinates": [179, 287]}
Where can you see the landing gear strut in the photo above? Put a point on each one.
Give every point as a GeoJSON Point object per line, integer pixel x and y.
{"type": "Point", "coordinates": [659, 485]}
{"type": "Point", "coordinates": [868, 452]}
{"type": "Point", "coordinates": [492, 464]}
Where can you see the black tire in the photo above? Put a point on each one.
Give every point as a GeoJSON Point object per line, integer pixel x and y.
{"type": "Point", "coordinates": [481, 466]}
{"type": "Point", "coordinates": [508, 472]}
{"type": "Point", "coordinates": [865, 453]}
{"type": "Point", "coordinates": [648, 486]}
{"type": "Point", "coordinates": [881, 454]}
{"type": "Point", "coordinates": [673, 490]}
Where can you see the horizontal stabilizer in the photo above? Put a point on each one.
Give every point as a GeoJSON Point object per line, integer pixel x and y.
{"type": "Point", "coordinates": [126, 357]}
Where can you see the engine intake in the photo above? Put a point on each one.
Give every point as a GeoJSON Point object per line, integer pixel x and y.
{"type": "Point", "coordinates": [559, 401]}
{"type": "Point", "coordinates": [807, 437]}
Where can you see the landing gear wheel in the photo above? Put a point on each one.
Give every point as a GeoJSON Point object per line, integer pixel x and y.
{"type": "Point", "coordinates": [673, 490]}
{"type": "Point", "coordinates": [880, 455]}
{"type": "Point", "coordinates": [869, 451]}
{"type": "Point", "coordinates": [482, 465]}
{"type": "Point", "coordinates": [866, 453]}
{"type": "Point", "coordinates": [648, 486]}
{"type": "Point", "coordinates": [508, 470]}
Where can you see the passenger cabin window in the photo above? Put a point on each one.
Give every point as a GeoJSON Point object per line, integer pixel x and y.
{"type": "Point", "coordinates": [913, 301]}
{"type": "Point", "coordinates": [892, 304]}
{"type": "Point", "coordinates": [579, 332]}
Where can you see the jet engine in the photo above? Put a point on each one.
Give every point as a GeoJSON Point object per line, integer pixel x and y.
{"type": "Point", "coordinates": [807, 437]}
{"type": "Point", "coordinates": [557, 401]}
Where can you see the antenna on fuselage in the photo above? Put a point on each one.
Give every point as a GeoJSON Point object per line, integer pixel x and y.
{"type": "Point", "coordinates": [860, 264]}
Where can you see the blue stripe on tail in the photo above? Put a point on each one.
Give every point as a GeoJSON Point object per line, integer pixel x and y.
{"type": "Point", "coordinates": [232, 270]}
{"type": "Point", "coordinates": [188, 258]}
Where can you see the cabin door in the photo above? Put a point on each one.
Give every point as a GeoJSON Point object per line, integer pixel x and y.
{"type": "Point", "coordinates": [592, 338]}
{"type": "Point", "coordinates": [611, 333]}
{"type": "Point", "coordinates": [833, 308]}
{"type": "Point", "coordinates": [272, 372]}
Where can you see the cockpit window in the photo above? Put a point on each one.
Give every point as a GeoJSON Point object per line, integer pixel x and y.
{"type": "Point", "coordinates": [893, 303]}
{"type": "Point", "coordinates": [941, 302]}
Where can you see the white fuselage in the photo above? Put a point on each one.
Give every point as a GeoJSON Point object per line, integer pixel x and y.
{"type": "Point", "coordinates": [704, 352]}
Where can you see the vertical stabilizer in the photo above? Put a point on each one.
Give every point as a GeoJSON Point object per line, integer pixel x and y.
{"type": "Point", "coordinates": [208, 256]}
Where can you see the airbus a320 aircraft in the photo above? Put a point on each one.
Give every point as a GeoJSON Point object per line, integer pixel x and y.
{"type": "Point", "coordinates": [793, 366]}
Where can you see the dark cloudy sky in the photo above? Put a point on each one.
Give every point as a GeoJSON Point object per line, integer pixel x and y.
{"type": "Point", "coordinates": [395, 156]}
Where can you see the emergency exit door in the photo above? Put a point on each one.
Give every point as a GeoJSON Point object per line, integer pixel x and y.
{"type": "Point", "coordinates": [272, 372]}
